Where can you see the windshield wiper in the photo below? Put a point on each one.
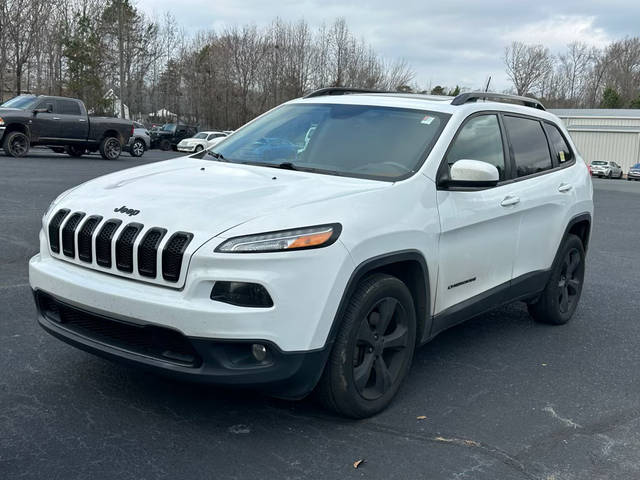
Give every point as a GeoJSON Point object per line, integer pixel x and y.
{"type": "Point", "coordinates": [216, 155]}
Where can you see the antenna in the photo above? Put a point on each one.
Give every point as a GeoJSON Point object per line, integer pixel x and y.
{"type": "Point", "coordinates": [486, 86]}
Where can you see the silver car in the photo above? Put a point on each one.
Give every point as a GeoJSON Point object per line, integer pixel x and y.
{"type": "Point", "coordinates": [601, 169]}
{"type": "Point", "coordinates": [140, 141]}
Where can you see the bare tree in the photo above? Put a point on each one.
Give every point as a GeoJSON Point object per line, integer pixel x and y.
{"type": "Point", "coordinates": [527, 66]}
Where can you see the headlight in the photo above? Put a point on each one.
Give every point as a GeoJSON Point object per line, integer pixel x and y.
{"type": "Point", "coordinates": [55, 202]}
{"type": "Point", "coordinates": [298, 239]}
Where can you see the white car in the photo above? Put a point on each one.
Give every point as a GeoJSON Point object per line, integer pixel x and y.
{"type": "Point", "coordinates": [140, 141]}
{"type": "Point", "coordinates": [602, 168]}
{"type": "Point", "coordinates": [292, 266]}
{"type": "Point", "coordinates": [201, 141]}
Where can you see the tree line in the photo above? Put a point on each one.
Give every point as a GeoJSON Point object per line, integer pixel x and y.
{"type": "Point", "coordinates": [83, 48]}
{"type": "Point", "coordinates": [579, 77]}
{"type": "Point", "coordinates": [223, 78]}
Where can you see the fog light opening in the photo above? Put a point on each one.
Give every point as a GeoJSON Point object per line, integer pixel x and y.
{"type": "Point", "coordinates": [242, 294]}
{"type": "Point", "coordinates": [259, 352]}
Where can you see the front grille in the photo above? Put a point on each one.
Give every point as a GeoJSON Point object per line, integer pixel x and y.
{"type": "Point", "coordinates": [95, 240]}
{"type": "Point", "coordinates": [54, 229]}
{"type": "Point", "coordinates": [148, 340]}
{"type": "Point", "coordinates": [172, 255]}
{"type": "Point", "coordinates": [148, 252]}
{"type": "Point", "coordinates": [124, 247]}
{"type": "Point", "coordinates": [69, 234]}
{"type": "Point", "coordinates": [85, 237]}
{"type": "Point", "coordinates": [103, 243]}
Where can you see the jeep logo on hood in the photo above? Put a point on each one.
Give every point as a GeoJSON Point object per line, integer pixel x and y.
{"type": "Point", "coordinates": [127, 211]}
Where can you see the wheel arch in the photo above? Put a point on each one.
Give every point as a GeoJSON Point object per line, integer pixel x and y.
{"type": "Point", "coordinates": [411, 268]}
{"type": "Point", "coordinates": [18, 127]}
{"type": "Point", "coordinates": [580, 225]}
{"type": "Point", "coordinates": [112, 133]}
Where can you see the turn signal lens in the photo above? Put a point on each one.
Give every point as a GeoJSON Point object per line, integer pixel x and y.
{"type": "Point", "coordinates": [301, 238]}
{"type": "Point", "coordinates": [1, 122]}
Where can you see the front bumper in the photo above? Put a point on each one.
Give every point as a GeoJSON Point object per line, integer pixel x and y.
{"type": "Point", "coordinates": [186, 148]}
{"type": "Point", "coordinates": [167, 351]}
{"type": "Point", "coordinates": [633, 175]}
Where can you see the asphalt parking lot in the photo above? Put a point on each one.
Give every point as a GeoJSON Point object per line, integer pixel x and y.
{"type": "Point", "coordinates": [503, 397]}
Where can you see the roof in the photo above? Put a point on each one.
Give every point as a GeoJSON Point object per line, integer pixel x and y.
{"type": "Point", "coordinates": [597, 112]}
{"type": "Point", "coordinates": [434, 103]}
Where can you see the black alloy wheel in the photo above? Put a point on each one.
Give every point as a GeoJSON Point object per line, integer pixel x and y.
{"type": "Point", "coordinates": [381, 348]}
{"type": "Point", "coordinates": [16, 144]}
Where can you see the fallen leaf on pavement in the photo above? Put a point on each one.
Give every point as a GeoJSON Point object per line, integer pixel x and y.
{"type": "Point", "coordinates": [357, 463]}
{"type": "Point", "coordinates": [421, 417]}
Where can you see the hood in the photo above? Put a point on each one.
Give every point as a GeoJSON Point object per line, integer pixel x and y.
{"type": "Point", "coordinates": [205, 197]}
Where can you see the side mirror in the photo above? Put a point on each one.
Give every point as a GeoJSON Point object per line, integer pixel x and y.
{"type": "Point", "coordinates": [47, 109]}
{"type": "Point", "coordinates": [473, 173]}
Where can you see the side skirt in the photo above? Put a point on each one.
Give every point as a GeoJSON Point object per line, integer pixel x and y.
{"type": "Point", "coordinates": [521, 288]}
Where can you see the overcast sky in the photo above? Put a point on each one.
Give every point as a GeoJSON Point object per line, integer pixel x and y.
{"type": "Point", "coordinates": [446, 42]}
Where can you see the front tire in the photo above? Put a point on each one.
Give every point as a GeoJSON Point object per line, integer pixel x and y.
{"type": "Point", "coordinates": [199, 148]}
{"type": "Point", "coordinates": [16, 144]}
{"type": "Point", "coordinates": [165, 145]}
{"type": "Point", "coordinates": [559, 300]}
{"type": "Point", "coordinates": [373, 349]}
{"type": "Point", "coordinates": [110, 148]}
{"type": "Point", "coordinates": [609, 175]}
{"type": "Point", "coordinates": [137, 148]}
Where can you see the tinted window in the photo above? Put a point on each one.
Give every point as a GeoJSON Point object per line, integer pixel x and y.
{"type": "Point", "coordinates": [479, 139]}
{"type": "Point", "coordinates": [558, 143]}
{"type": "Point", "coordinates": [355, 140]}
{"type": "Point", "coordinates": [67, 107]}
{"type": "Point", "coordinates": [529, 143]}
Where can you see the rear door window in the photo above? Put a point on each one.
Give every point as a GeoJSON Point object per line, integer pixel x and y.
{"type": "Point", "coordinates": [67, 107]}
{"type": "Point", "coordinates": [529, 145]}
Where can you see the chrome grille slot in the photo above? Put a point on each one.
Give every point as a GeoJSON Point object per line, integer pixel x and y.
{"type": "Point", "coordinates": [103, 242]}
{"type": "Point", "coordinates": [69, 234]}
{"type": "Point", "coordinates": [85, 237]}
{"type": "Point", "coordinates": [172, 255]}
{"type": "Point", "coordinates": [124, 247]}
{"type": "Point", "coordinates": [54, 229]}
{"type": "Point", "coordinates": [148, 252]}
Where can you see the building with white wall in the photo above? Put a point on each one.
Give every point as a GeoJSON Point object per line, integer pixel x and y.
{"type": "Point", "coordinates": [605, 134]}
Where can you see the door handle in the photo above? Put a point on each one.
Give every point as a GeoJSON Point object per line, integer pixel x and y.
{"type": "Point", "coordinates": [56, 118]}
{"type": "Point", "coordinates": [81, 120]}
{"type": "Point", "coordinates": [565, 187]}
{"type": "Point", "coordinates": [510, 200]}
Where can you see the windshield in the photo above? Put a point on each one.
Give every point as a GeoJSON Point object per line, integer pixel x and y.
{"type": "Point", "coordinates": [200, 135]}
{"type": "Point", "coordinates": [22, 102]}
{"type": "Point", "coordinates": [169, 127]}
{"type": "Point", "coordinates": [598, 163]}
{"type": "Point", "coordinates": [353, 140]}
{"type": "Point", "coordinates": [636, 166]}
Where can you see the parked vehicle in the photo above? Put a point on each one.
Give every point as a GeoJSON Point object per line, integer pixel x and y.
{"type": "Point", "coordinates": [634, 172]}
{"type": "Point", "coordinates": [606, 169]}
{"type": "Point", "coordinates": [170, 135]}
{"type": "Point", "coordinates": [324, 265]}
{"type": "Point", "coordinates": [200, 141]}
{"type": "Point", "coordinates": [60, 123]}
{"type": "Point", "coordinates": [140, 141]}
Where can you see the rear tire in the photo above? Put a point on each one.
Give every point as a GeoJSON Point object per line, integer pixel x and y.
{"type": "Point", "coordinates": [373, 349]}
{"type": "Point", "coordinates": [137, 148]}
{"type": "Point", "coordinates": [559, 300]}
{"type": "Point", "coordinates": [16, 144]}
{"type": "Point", "coordinates": [165, 145]}
{"type": "Point", "coordinates": [110, 148]}
{"type": "Point", "coordinates": [75, 151]}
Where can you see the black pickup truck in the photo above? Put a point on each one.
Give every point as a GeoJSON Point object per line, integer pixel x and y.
{"type": "Point", "coordinates": [62, 124]}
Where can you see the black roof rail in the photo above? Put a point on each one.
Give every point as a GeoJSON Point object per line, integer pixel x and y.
{"type": "Point", "coordinates": [340, 91]}
{"type": "Point", "coordinates": [497, 97]}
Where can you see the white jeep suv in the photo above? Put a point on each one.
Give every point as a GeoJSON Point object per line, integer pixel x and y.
{"type": "Point", "coordinates": [319, 245]}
